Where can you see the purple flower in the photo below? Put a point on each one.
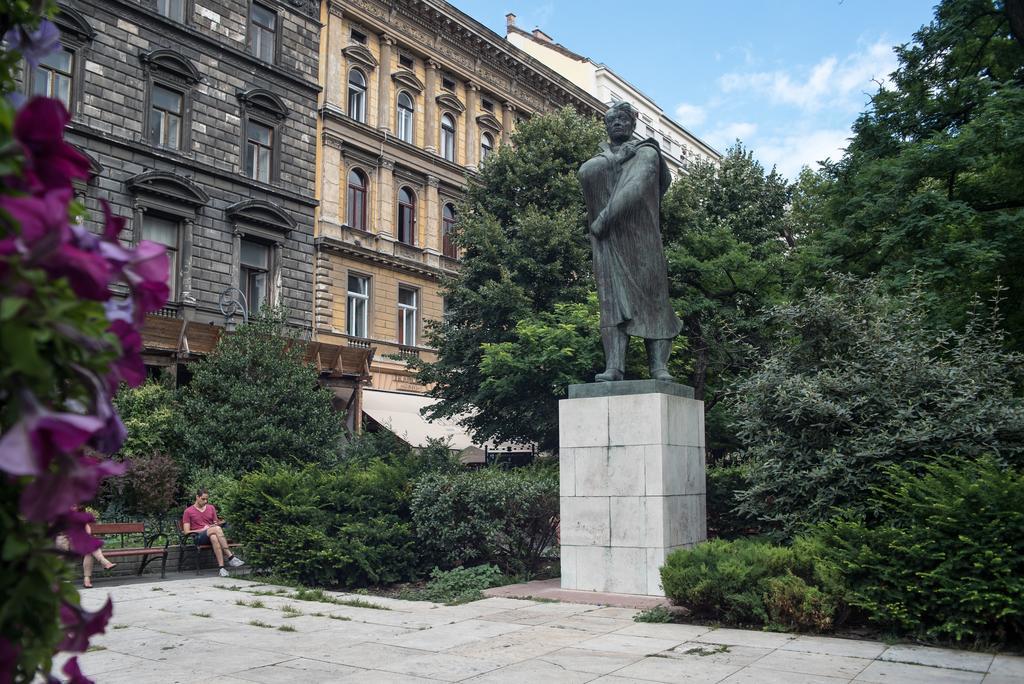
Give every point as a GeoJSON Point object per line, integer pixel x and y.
{"type": "Point", "coordinates": [144, 268]}
{"type": "Point", "coordinates": [72, 524]}
{"type": "Point", "coordinates": [9, 654]}
{"type": "Point", "coordinates": [76, 479]}
{"type": "Point", "coordinates": [80, 625]}
{"type": "Point", "coordinates": [129, 368]}
{"type": "Point", "coordinates": [74, 673]}
{"type": "Point", "coordinates": [109, 438]}
{"type": "Point", "coordinates": [30, 444]}
{"type": "Point", "coordinates": [49, 161]}
{"type": "Point", "coordinates": [34, 45]}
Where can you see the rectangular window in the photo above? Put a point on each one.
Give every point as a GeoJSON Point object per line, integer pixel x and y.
{"type": "Point", "coordinates": [407, 316]}
{"type": "Point", "coordinates": [254, 274]}
{"type": "Point", "coordinates": [165, 232]}
{"type": "Point", "coordinates": [172, 9]}
{"type": "Point", "coordinates": [165, 117]}
{"type": "Point", "coordinates": [487, 105]}
{"type": "Point", "coordinates": [447, 83]}
{"type": "Point", "coordinates": [262, 32]}
{"type": "Point", "coordinates": [53, 76]}
{"type": "Point", "coordinates": [358, 37]}
{"type": "Point", "coordinates": [259, 150]}
{"type": "Point", "coordinates": [358, 306]}
{"type": "Point", "coordinates": [405, 61]}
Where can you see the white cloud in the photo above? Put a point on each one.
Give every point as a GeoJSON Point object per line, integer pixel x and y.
{"type": "Point", "coordinates": [790, 152]}
{"type": "Point", "coordinates": [725, 135]}
{"type": "Point", "coordinates": [690, 115]}
{"type": "Point", "coordinates": [829, 83]}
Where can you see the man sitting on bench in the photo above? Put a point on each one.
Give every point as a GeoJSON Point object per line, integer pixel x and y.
{"type": "Point", "coordinates": [201, 519]}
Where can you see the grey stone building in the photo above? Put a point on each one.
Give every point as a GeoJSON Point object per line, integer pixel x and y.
{"type": "Point", "coordinates": [200, 119]}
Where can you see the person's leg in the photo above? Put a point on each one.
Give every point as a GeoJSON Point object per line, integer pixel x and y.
{"type": "Point", "coordinates": [98, 555]}
{"type": "Point", "coordinates": [87, 571]}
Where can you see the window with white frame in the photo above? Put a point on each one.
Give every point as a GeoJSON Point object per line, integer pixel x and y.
{"type": "Point", "coordinates": [172, 9]}
{"type": "Point", "coordinates": [54, 76]}
{"type": "Point", "coordinates": [486, 146]}
{"type": "Point", "coordinates": [254, 273]}
{"type": "Point", "coordinates": [165, 231]}
{"type": "Point", "coordinates": [262, 32]}
{"type": "Point", "coordinates": [407, 310]}
{"type": "Point", "coordinates": [358, 306]}
{"type": "Point", "coordinates": [448, 137]}
{"type": "Point", "coordinates": [357, 95]}
{"type": "Point", "coordinates": [259, 150]}
{"type": "Point", "coordinates": [165, 117]}
{"type": "Point", "coordinates": [405, 116]}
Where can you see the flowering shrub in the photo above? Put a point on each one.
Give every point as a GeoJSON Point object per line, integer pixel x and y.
{"type": "Point", "coordinates": [67, 343]}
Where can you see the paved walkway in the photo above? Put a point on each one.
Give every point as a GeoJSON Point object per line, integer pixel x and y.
{"type": "Point", "coordinates": [218, 631]}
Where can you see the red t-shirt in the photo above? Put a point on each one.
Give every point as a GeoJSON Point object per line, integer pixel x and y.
{"type": "Point", "coordinates": [198, 519]}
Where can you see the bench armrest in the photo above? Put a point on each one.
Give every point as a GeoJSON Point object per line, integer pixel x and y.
{"type": "Point", "coordinates": [148, 541]}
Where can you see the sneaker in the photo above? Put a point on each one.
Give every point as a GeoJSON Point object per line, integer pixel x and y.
{"type": "Point", "coordinates": [224, 573]}
{"type": "Point", "coordinates": [236, 562]}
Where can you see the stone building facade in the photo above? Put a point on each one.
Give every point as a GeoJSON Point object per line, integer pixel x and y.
{"type": "Point", "coordinates": [680, 147]}
{"type": "Point", "coordinates": [200, 119]}
{"type": "Point", "coordinates": [415, 95]}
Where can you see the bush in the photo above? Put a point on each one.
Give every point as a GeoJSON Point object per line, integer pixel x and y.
{"type": "Point", "coordinates": [459, 585]}
{"type": "Point", "coordinates": [254, 400]}
{"type": "Point", "coordinates": [857, 380]}
{"type": "Point", "coordinates": [751, 582]}
{"type": "Point", "coordinates": [724, 484]}
{"type": "Point", "coordinates": [152, 485]}
{"type": "Point", "coordinates": [949, 563]}
{"type": "Point", "coordinates": [344, 526]}
{"type": "Point", "coordinates": [504, 517]}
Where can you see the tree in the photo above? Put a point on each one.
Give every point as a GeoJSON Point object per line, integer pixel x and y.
{"type": "Point", "coordinates": [255, 400]}
{"type": "Point", "coordinates": [522, 232]}
{"type": "Point", "coordinates": [727, 236]}
{"type": "Point", "coordinates": [857, 380]}
{"type": "Point", "coordinates": [933, 179]}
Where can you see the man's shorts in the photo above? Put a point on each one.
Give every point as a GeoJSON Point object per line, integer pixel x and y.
{"type": "Point", "coordinates": [202, 538]}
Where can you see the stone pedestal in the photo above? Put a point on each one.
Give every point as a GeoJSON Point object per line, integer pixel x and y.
{"type": "Point", "coordinates": [631, 482]}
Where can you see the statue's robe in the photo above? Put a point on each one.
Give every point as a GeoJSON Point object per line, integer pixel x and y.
{"type": "Point", "coordinates": [629, 259]}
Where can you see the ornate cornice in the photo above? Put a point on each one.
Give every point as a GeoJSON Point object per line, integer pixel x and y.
{"type": "Point", "coordinates": [449, 101]}
{"type": "Point", "coordinates": [488, 121]}
{"type": "Point", "coordinates": [408, 79]}
{"type": "Point", "coordinates": [360, 55]}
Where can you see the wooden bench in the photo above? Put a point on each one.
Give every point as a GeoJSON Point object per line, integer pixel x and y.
{"type": "Point", "coordinates": [187, 540]}
{"type": "Point", "coordinates": [147, 550]}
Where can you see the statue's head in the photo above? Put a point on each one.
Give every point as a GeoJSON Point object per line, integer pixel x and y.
{"type": "Point", "coordinates": [620, 122]}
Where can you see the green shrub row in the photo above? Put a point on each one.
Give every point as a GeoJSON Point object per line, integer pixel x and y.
{"type": "Point", "coordinates": [505, 517]}
{"type": "Point", "coordinates": [947, 563]}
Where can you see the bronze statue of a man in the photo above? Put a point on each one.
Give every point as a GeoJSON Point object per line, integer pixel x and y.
{"type": "Point", "coordinates": [622, 187]}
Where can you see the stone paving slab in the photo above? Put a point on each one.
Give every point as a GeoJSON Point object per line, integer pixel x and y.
{"type": "Point", "coordinates": [192, 630]}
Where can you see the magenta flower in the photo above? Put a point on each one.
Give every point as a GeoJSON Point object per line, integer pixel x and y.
{"type": "Point", "coordinates": [80, 625]}
{"type": "Point", "coordinates": [72, 524]}
{"type": "Point", "coordinates": [76, 479]}
{"type": "Point", "coordinates": [129, 368]}
{"type": "Point", "coordinates": [29, 445]}
{"type": "Point", "coordinates": [43, 223]}
{"type": "Point", "coordinates": [34, 45]}
{"type": "Point", "coordinates": [144, 268]}
{"type": "Point", "coordinates": [9, 654]}
{"type": "Point", "coordinates": [109, 438]}
{"type": "Point", "coordinates": [74, 673]}
{"type": "Point", "coordinates": [49, 161]}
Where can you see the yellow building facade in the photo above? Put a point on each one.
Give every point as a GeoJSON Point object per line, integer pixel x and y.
{"type": "Point", "coordinates": [415, 94]}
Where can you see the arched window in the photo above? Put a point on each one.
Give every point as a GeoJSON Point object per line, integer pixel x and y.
{"type": "Point", "coordinates": [486, 146]}
{"type": "Point", "coordinates": [357, 95]}
{"type": "Point", "coordinates": [447, 223]}
{"type": "Point", "coordinates": [405, 112]}
{"type": "Point", "coordinates": [356, 206]}
{"type": "Point", "coordinates": [406, 216]}
{"type": "Point", "coordinates": [448, 137]}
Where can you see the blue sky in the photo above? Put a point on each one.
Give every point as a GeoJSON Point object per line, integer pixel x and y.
{"type": "Point", "coordinates": [788, 78]}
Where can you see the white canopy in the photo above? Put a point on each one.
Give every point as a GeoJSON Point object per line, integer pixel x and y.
{"type": "Point", "coordinates": [400, 413]}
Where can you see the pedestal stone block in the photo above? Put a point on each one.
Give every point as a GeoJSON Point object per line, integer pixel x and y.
{"type": "Point", "coordinates": [632, 483]}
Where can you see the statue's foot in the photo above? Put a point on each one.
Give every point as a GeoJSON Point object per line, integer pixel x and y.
{"type": "Point", "coordinates": [661, 374]}
{"type": "Point", "coordinates": [610, 375]}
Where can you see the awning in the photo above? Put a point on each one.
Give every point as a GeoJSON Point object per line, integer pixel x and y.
{"type": "Point", "coordinates": [400, 413]}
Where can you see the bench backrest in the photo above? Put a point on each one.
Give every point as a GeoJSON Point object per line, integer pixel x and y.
{"type": "Point", "coordinates": [117, 528]}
